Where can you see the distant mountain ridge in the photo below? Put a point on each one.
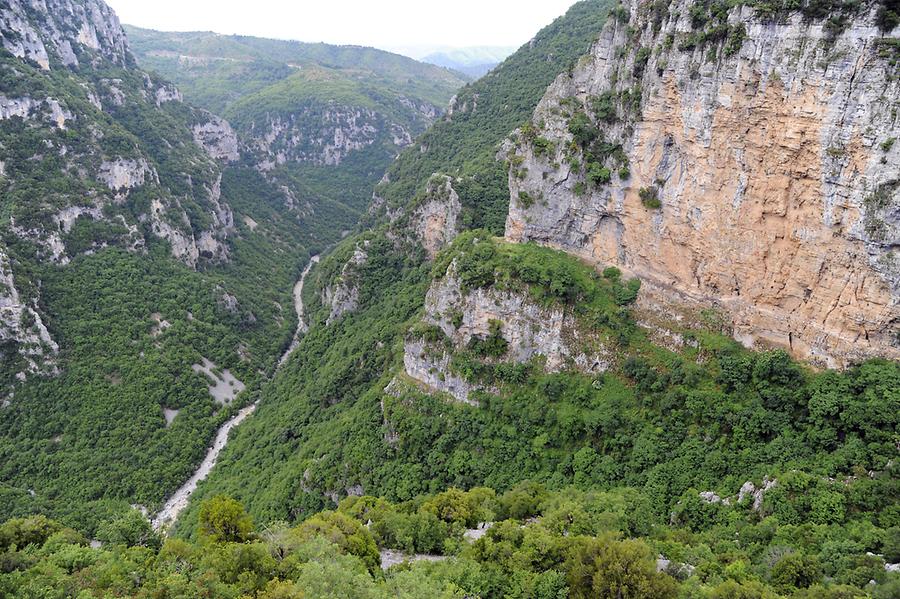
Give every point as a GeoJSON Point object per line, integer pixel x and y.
{"type": "Point", "coordinates": [473, 61]}
{"type": "Point", "coordinates": [179, 55]}
{"type": "Point", "coordinates": [324, 118]}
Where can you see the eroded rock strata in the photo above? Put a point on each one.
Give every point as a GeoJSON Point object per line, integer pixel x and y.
{"type": "Point", "coordinates": [746, 165]}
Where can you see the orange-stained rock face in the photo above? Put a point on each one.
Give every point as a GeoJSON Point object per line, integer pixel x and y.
{"type": "Point", "coordinates": [765, 165]}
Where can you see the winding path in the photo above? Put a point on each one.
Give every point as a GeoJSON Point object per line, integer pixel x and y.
{"type": "Point", "coordinates": [179, 500]}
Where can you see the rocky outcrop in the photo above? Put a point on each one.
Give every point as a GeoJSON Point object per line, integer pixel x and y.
{"type": "Point", "coordinates": [111, 171]}
{"type": "Point", "coordinates": [749, 490]}
{"type": "Point", "coordinates": [218, 139]}
{"type": "Point", "coordinates": [745, 164]}
{"type": "Point", "coordinates": [186, 246]}
{"type": "Point", "coordinates": [168, 93]}
{"type": "Point", "coordinates": [124, 174]}
{"type": "Point", "coordinates": [431, 367]}
{"type": "Point", "coordinates": [22, 331]}
{"type": "Point", "coordinates": [71, 31]}
{"type": "Point", "coordinates": [47, 109]}
{"type": "Point", "coordinates": [434, 220]}
{"type": "Point", "coordinates": [315, 136]}
{"type": "Point", "coordinates": [342, 295]}
{"type": "Point", "coordinates": [528, 329]}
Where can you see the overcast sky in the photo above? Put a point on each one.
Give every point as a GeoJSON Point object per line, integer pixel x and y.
{"type": "Point", "coordinates": [399, 25]}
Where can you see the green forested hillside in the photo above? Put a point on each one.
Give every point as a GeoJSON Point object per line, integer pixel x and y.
{"type": "Point", "coordinates": [688, 469]}
{"type": "Point", "coordinates": [215, 70]}
{"type": "Point", "coordinates": [673, 433]}
{"type": "Point", "coordinates": [333, 384]}
{"type": "Point", "coordinates": [287, 99]}
{"type": "Point", "coordinates": [485, 112]}
{"type": "Point", "coordinates": [624, 484]}
{"type": "Point", "coordinates": [142, 255]}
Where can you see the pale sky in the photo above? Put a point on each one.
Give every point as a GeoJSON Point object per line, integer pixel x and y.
{"type": "Point", "coordinates": [399, 25]}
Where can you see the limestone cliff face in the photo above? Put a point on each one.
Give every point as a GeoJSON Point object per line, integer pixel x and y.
{"type": "Point", "coordinates": [342, 295]}
{"type": "Point", "coordinates": [747, 164]}
{"type": "Point", "coordinates": [434, 221]}
{"type": "Point", "coordinates": [529, 330]}
{"type": "Point", "coordinates": [98, 140]}
{"type": "Point", "coordinates": [326, 134]}
{"type": "Point", "coordinates": [216, 136]}
{"type": "Point", "coordinates": [24, 339]}
{"type": "Point", "coordinates": [69, 31]}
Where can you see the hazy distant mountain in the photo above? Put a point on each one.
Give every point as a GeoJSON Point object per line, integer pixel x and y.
{"type": "Point", "coordinates": [474, 61]}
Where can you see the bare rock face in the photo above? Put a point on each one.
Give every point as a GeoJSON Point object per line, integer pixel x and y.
{"type": "Point", "coordinates": [78, 113]}
{"type": "Point", "coordinates": [73, 32]}
{"type": "Point", "coordinates": [21, 329]}
{"type": "Point", "coordinates": [314, 137]}
{"type": "Point", "coordinates": [530, 331]}
{"type": "Point", "coordinates": [47, 110]}
{"type": "Point", "coordinates": [434, 221]}
{"type": "Point", "coordinates": [218, 139]}
{"type": "Point", "coordinates": [168, 93]}
{"type": "Point", "coordinates": [342, 295]}
{"type": "Point", "coordinates": [169, 221]}
{"type": "Point", "coordinates": [125, 174]}
{"type": "Point", "coordinates": [756, 174]}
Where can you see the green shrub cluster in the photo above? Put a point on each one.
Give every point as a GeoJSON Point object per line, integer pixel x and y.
{"type": "Point", "coordinates": [536, 543]}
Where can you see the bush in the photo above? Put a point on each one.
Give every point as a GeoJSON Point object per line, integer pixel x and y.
{"type": "Point", "coordinates": [582, 129]}
{"type": "Point", "coordinates": [650, 197]}
{"type": "Point", "coordinates": [525, 199]}
{"type": "Point", "coordinates": [491, 346]}
{"type": "Point", "coordinates": [612, 273]}
{"type": "Point", "coordinates": [795, 571]}
{"type": "Point", "coordinates": [605, 107]}
{"type": "Point", "coordinates": [223, 519]}
{"type": "Point", "coordinates": [598, 174]}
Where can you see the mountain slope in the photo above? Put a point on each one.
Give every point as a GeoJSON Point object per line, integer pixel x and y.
{"type": "Point", "coordinates": [214, 70]}
{"type": "Point", "coordinates": [307, 113]}
{"type": "Point", "coordinates": [498, 362]}
{"type": "Point", "coordinates": [464, 143]}
{"type": "Point", "coordinates": [363, 294]}
{"type": "Point", "coordinates": [135, 245]}
{"type": "Point", "coordinates": [630, 453]}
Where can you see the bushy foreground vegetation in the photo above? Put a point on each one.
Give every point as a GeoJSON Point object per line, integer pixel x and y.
{"type": "Point", "coordinates": [526, 542]}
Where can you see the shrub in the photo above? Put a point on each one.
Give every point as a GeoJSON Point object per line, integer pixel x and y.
{"type": "Point", "coordinates": [223, 519]}
{"type": "Point", "coordinates": [736, 37]}
{"type": "Point", "coordinates": [598, 174]}
{"type": "Point", "coordinates": [605, 107]}
{"type": "Point", "coordinates": [888, 15]}
{"type": "Point", "coordinates": [612, 273]}
{"type": "Point", "coordinates": [650, 197]}
{"type": "Point", "coordinates": [640, 62]}
{"type": "Point", "coordinates": [542, 146]}
{"type": "Point", "coordinates": [582, 129]}
{"type": "Point", "coordinates": [493, 345]}
{"type": "Point", "coordinates": [795, 570]}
